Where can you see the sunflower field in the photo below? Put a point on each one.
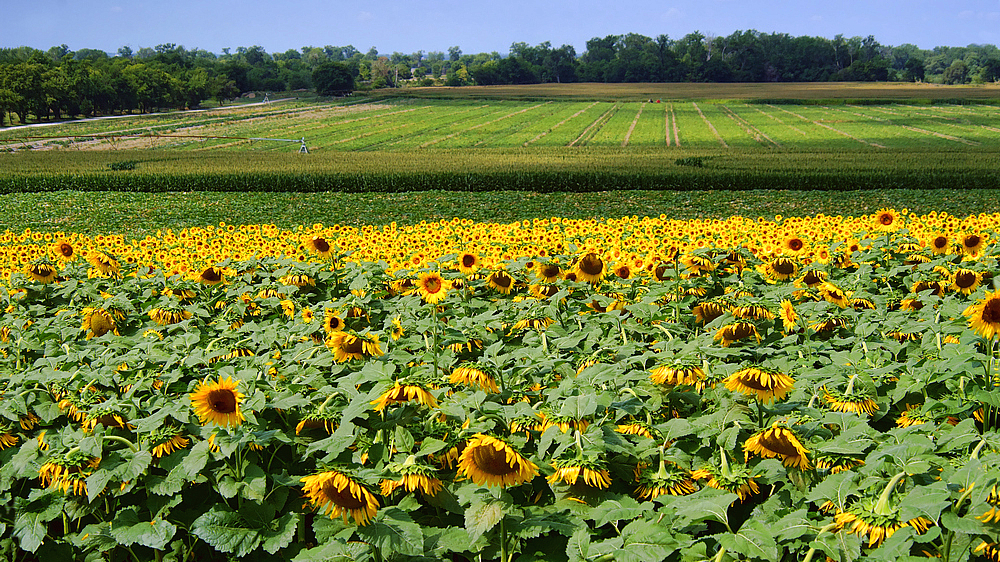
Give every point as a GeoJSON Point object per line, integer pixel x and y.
{"type": "Point", "coordinates": [634, 389]}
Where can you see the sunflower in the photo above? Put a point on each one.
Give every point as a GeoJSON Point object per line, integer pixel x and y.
{"type": "Point", "coordinates": [211, 276]}
{"type": "Point", "coordinates": [779, 269]}
{"type": "Point", "coordinates": [965, 281]}
{"type": "Point", "coordinates": [218, 402]}
{"type": "Point", "coordinates": [412, 476]}
{"type": "Point", "coordinates": [68, 472]}
{"type": "Point", "coordinates": [473, 375]}
{"type": "Point", "coordinates": [830, 324]}
{"type": "Point", "coordinates": [489, 461]}
{"type": "Point", "coordinates": [988, 550]}
{"type": "Point", "coordinates": [834, 294]}
{"type": "Point", "coordinates": [636, 427]}
{"type": "Point", "coordinates": [590, 269]}
{"type": "Point", "coordinates": [548, 272]}
{"type": "Point", "coordinates": [400, 393]}
{"type": "Point", "coordinates": [835, 463]}
{"type": "Point", "coordinates": [468, 263]}
{"type": "Point", "coordinates": [319, 420]}
{"type": "Point", "coordinates": [887, 220]}
{"type": "Point", "coordinates": [332, 322]}
{"type": "Point", "coordinates": [103, 263]}
{"type": "Point", "coordinates": [811, 278]}
{"type": "Point", "coordinates": [166, 315]}
{"type": "Point", "coordinates": [97, 322]}
{"type": "Point", "coordinates": [668, 479]}
{"type": "Point", "coordinates": [858, 401]}
{"type": "Point", "coordinates": [168, 439]}
{"type": "Point", "coordinates": [732, 333]}
{"type": "Point", "coordinates": [878, 518]}
{"type": "Point", "coordinates": [705, 312]}
{"type": "Point", "coordinates": [752, 311]}
{"type": "Point", "coordinates": [397, 329]}
{"type": "Point", "coordinates": [564, 423]}
{"type": "Point", "coordinates": [737, 479]}
{"type": "Point", "coordinates": [777, 441]}
{"type": "Point", "coordinates": [41, 272]}
{"type": "Point", "coordinates": [793, 246]}
{"type": "Point", "coordinates": [993, 514]}
{"type": "Point", "coordinates": [7, 439]}
{"type": "Point", "coordinates": [971, 244]}
{"type": "Point", "coordinates": [319, 245]}
{"type": "Point", "coordinates": [592, 472]}
{"type": "Point", "coordinates": [64, 250]}
{"type": "Point", "coordinates": [913, 416]}
{"type": "Point", "coordinates": [984, 316]}
{"type": "Point", "coordinates": [500, 281]}
{"type": "Point", "coordinates": [761, 382]}
{"type": "Point", "coordinates": [337, 494]}
{"type": "Point", "coordinates": [939, 243]}
{"type": "Point", "coordinates": [678, 374]}
{"type": "Point", "coordinates": [350, 345]}
{"type": "Point", "coordinates": [622, 271]}
{"type": "Point", "coordinates": [432, 287]}
{"type": "Point", "coordinates": [789, 318]}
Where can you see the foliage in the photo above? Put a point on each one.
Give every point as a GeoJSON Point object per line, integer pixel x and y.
{"type": "Point", "coordinates": [883, 321]}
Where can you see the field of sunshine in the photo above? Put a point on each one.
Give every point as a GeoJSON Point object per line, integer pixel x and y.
{"type": "Point", "coordinates": [638, 389]}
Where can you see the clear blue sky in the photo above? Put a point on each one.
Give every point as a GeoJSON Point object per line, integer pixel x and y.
{"type": "Point", "coordinates": [476, 26]}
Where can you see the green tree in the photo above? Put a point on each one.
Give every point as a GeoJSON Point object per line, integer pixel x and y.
{"type": "Point", "coordinates": [332, 78]}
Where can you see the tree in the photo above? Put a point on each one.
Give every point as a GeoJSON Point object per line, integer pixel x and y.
{"type": "Point", "coordinates": [332, 78]}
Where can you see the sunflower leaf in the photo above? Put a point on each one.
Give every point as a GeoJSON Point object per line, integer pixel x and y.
{"type": "Point", "coordinates": [840, 545]}
{"type": "Point", "coordinates": [280, 533]}
{"type": "Point", "coordinates": [32, 514]}
{"type": "Point", "coordinates": [708, 504]}
{"type": "Point", "coordinates": [647, 541]}
{"type": "Point", "coordinates": [394, 530]}
{"type": "Point", "coordinates": [482, 516]}
{"type": "Point", "coordinates": [223, 529]}
{"type": "Point", "coordinates": [753, 540]}
{"type": "Point", "coordinates": [128, 529]}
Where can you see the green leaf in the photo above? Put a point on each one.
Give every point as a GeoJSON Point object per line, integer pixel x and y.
{"type": "Point", "coordinates": [280, 533]}
{"type": "Point", "coordinates": [445, 541]}
{"type": "Point", "coordinates": [617, 508]}
{"type": "Point", "coordinates": [254, 483]}
{"type": "Point", "coordinates": [708, 504]}
{"type": "Point", "coordinates": [793, 525]}
{"type": "Point", "coordinates": [925, 501]}
{"type": "Point", "coordinates": [195, 460]}
{"type": "Point", "coordinates": [753, 540]}
{"type": "Point", "coordinates": [32, 514]}
{"type": "Point", "coordinates": [394, 531]}
{"type": "Point", "coordinates": [839, 546]}
{"type": "Point", "coordinates": [647, 541]}
{"type": "Point", "coordinates": [482, 516]}
{"type": "Point", "coordinates": [128, 529]}
{"type": "Point", "coordinates": [579, 545]}
{"type": "Point", "coordinates": [223, 529]}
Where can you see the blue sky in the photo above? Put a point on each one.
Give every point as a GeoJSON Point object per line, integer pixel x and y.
{"type": "Point", "coordinates": [476, 26]}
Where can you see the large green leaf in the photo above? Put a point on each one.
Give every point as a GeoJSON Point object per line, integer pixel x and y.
{"type": "Point", "coordinates": [394, 531]}
{"type": "Point", "coordinates": [32, 514]}
{"type": "Point", "coordinates": [226, 532]}
{"type": "Point", "coordinates": [753, 541]}
{"type": "Point", "coordinates": [128, 529]}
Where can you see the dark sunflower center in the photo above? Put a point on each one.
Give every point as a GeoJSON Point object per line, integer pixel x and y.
{"type": "Point", "coordinates": [971, 241]}
{"type": "Point", "coordinates": [783, 267]}
{"type": "Point", "coordinates": [661, 273]}
{"type": "Point", "coordinates": [341, 498]}
{"type": "Point", "coordinates": [812, 278]}
{"type": "Point", "coordinates": [335, 323]}
{"type": "Point", "coordinates": [353, 345]}
{"type": "Point", "coordinates": [489, 460]}
{"type": "Point", "coordinates": [752, 380]}
{"type": "Point", "coordinates": [886, 219]}
{"type": "Point", "coordinates": [795, 244]}
{"type": "Point", "coordinates": [778, 443]}
{"type": "Point", "coordinates": [991, 311]}
{"type": "Point", "coordinates": [321, 245]}
{"type": "Point", "coordinates": [966, 279]}
{"type": "Point", "coordinates": [941, 242]}
{"type": "Point", "coordinates": [211, 275]}
{"type": "Point", "coordinates": [65, 249]}
{"type": "Point", "coordinates": [501, 279]}
{"type": "Point", "coordinates": [432, 285]}
{"type": "Point", "coordinates": [548, 290]}
{"type": "Point", "coordinates": [591, 264]}
{"type": "Point", "coordinates": [623, 272]}
{"type": "Point", "coordinates": [468, 260]}
{"type": "Point", "coordinates": [741, 330]}
{"type": "Point", "coordinates": [100, 324]}
{"type": "Point", "coordinates": [222, 400]}
{"type": "Point", "coordinates": [549, 270]}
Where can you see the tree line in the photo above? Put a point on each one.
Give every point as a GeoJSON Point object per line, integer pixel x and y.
{"type": "Point", "coordinates": [60, 82]}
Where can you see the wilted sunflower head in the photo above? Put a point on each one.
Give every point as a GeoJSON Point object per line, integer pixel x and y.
{"type": "Point", "coordinates": [411, 476]}
{"type": "Point", "coordinates": [41, 272]}
{"type": "Point", "coordinates": [402, 393]}
{"type": "Point", "coordinates": [780, 269]}
{"type": "Point", "coordinates": [667, 478]}
{"type": "Point", "coordinates": [984, 316]}
{"type": "Point", "coordinates": [778, 441]}
{"type": "Point", "coordinates": [731, 333]}
{"type": "Point", "coordinates": [591, 472]}
{"type": "Point", "coordinates": [97, 322]}
{"type": "Point", "coordinates": [688, 374]}
{"type": "Point", "coordinates": [489, 461]}
{"type": "Point", "coordinates": [211, 276]}
{"type": "Point", "coordinates": [218, 402]}
{"type": "Point", "coordinates": [473, 374]}
{"type": "Point", "coordinates": [763, 383]}
{"type": "Point", "coordinates": [548, 272]}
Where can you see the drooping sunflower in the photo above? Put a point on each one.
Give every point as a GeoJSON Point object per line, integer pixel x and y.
{"type": "Point", "coordinates": [397, 329]}
{"type": "Point", "coordinates": [590, 268]}
{"type": "Point", "coordinates": [68, 472]}
{"type": "Point", "coordinates": [326, 421]}
{"type": "Point", "coordinates": [103, 263]}
{"type": "Point", "coordinates": [811, 278]}
{"type": "Point", "coordinates": [590, 471]}
{"type": "Point", "coordinates": [705, 312]}
{"type": "Point", "coordinates": [834, 294]}
{"type": "Point", "coordinates": [337, 494]}
{"type": "Point", "coordinates": [732, 333]}
{"type": "Point", "coordinates": [400, 393]}
{"type": "Point", "coordinates": [548, 272]}
{"type": "Point", "coordinates": [347, 345]}
{"type": "Point", "coordinates": [988, 550]}
{"type": "Point", "coordinates": [737, 479]}
{"type": "Point", "coordinates": [211, 276]}
{"type": "Point", "coordinates": [835, 463]}
{"type": "Point", "coordinates": [763, 383]}
{"type": "Point", "coordinates": [473, 374]}
{"type": "Point", "coordinates": [777, 441]}
{"type": "Point", "coordinates": [489, 461]}
{"type": "Point", "coordinates": [752, 311]}
{"type": "Point", "coordinates": [667, 479]}
{"type": "Point", "coordinates": [984, 316]}
{"type": "Point", "coordinates": [432, 287]}
{"type": "Point", "coordinates": [218, 402]}
{"type": "Point", "coordinates": [688, 374]}
{"type": "Point", "coordinates": [97, 322]}
{"type": "Point", "coordinates": [992, 515]}
{"type": "Point", "coordinates": [166, 315]}
{"type": "Point", "coordinates": [501, 281]}
{"type": "Point", "coordinates": [913, 415]}
{"type": "Point", "coordinates": [853, 400]}
{"type": "Point", "coordinates": [41, 272]}
{"type": "Point", "coordinates": [878, 518]}
{"type": "Point", "coordinates": [779, 269]}
{"type": "Point", "coordinates": [319, 245]}
{"type": "Point", "coordinates": [830, 324]}
{"type": "Point", "coordinates": [411, 476]}
{"type": "Point", "coordinates": [887, 220]}
{"type": "Point", "coordinates": [168, 439]}
{"type": "Point", "coordinates": [468, 263]}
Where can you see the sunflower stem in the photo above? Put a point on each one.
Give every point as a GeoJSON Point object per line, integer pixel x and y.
{"type": "Point", "coordinates": [503, 540]}
{"type": "Point", "coordinates": [882, 506]}
{"type": "Point", "coordinates": [850, 385]}
{"type": "Point", "coordinates": [123, 441]}
{"type": "Point", "coordinates": [720, 554]}
{"type": "Point", "coordinates": [979, 447]}
{"type": "Point", "coordinates": [725, 464]}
